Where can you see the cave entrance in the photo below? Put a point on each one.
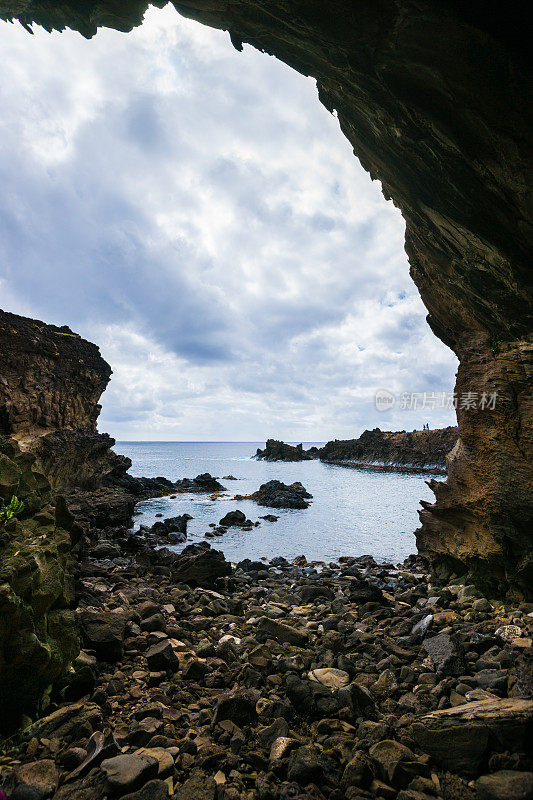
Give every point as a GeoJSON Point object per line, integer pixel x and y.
{"type": "Point", "coordinates": [436, 103]}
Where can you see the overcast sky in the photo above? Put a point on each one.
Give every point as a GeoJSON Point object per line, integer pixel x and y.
{"type": "Point", "coordinates": [198, 214]}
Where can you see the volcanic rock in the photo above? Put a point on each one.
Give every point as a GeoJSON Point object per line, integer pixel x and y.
{"type": "Point", "coordinates": [279, 495]}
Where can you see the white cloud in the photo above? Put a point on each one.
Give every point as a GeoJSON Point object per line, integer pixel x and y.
{"type": "Point", "coordinates": [197, 213]}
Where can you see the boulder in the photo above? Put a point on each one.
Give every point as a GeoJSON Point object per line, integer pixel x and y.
{"type": "Point", "coordinates": [200, 565]}
{"type": "Point", "coordinates": [505, 785]}
{"type": "Point", "coordinates": [446, 653]}
{"type": "Point", "coordinates": [459, 738]}
{"type": "Point", "coordinates": [233, 519]}
{"type": "Point", "coordinates": [239, 707]}
{"type": "Point", "coordinates": [128, 772]}
{"type": "Point", "coordinates": [41, 776]}
{"type": "Point", "coordinates": [276, 494]}
{"type": "Point", "coordinates": [281, 632]}
{"type": "Point", "coordinates": [161, 657]}
{"type": "Point", "coordinates": [153, 790]}
{"type": "Point", "coordinates": [103, 632]}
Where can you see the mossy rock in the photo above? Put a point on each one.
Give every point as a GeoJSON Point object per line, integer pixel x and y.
{"type": "Point", "coordinates": [38, 634]}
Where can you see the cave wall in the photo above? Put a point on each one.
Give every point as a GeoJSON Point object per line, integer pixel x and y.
{"type": "Point", "coordinates": [435, 97]}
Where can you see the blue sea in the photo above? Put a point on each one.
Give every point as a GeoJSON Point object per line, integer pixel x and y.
{"type": "Point", "coordinates": [353, 512]}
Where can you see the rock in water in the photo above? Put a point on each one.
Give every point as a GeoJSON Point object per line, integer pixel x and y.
{"type": "Point", "coordinates": [234, 519]}
{"type": "Point", "coordinates": [276, 494]}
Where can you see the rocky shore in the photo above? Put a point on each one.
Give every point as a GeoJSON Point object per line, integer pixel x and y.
{"type": "Point", "coordinates": [376, 449]}
{"type": "Point", "coordinates": [202, 680]}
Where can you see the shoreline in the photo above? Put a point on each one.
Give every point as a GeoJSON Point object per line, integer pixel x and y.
{"type": "Point", "coordinates": [387, 467]}
{"type": "Point", "coordinates": [202, 680]}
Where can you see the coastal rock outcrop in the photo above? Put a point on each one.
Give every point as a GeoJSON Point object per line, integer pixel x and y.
{"type": "Point", "coordinates": [281, 451]}
{"type": "Point", "coordinates": [403, 450]}
{"type": "Point", "coordinates": [435, 98]}
{"type": "Point", "coordinates": [277, 494]}
{"type": "Point", "coordinates": [389, 450]}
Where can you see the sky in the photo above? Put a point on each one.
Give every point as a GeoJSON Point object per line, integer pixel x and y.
{"type": "Point", "coordinates": [198, 214]}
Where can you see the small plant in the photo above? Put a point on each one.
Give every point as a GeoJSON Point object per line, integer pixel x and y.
{"type": "Point", "coordinates": [12, 509]}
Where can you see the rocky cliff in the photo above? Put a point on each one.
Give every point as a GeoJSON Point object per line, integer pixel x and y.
{"type": "Point", "coordinates": [50, 383]}
{"type": "Point", "coordinates": [436, 99]}
{"type": "Point", "coordinates": [397, 450]}
{"type": "Point", "coordinates": [426, 450]}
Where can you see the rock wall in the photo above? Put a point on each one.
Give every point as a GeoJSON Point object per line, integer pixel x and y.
{"type": "Point", "coordinates": [435, 98]}
{"type": "Point", "coordinates": [38, 635]}
{"type": "Point", "coordinates": [50, 383]}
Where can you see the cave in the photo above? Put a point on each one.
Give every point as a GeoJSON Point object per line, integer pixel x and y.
{"type": "Point", "coordinates": [435, 97]}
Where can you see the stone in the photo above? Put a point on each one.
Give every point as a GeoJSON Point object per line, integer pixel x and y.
{"type": "Point", "coordinates": [281, 747]}
{"type": "Point", "coordinates": [104, 633]}
{"type": "Point", "coordinates": [304, 766]}
{"type": "Point", "coordinates": [281, 632]}
{"type": "Point", "coordinates": [446, 653]}
{"type": "Point", "coordinates": [491, 678]}
{"type": "Point", "coordinates": [395, 763]}
{"type": "Point", "coordinates": [41, 776]}
{"type": "Point", "coordinates": [239, 707]}
{"type": "Point", "coordinates": [330, 677]}
{"type": "Point", "coordinates": [505, 785]}
{"type": "Point", "coordinates": [153, 790]}
{"type": "Point", "coordinates": [161, 656]}
{"type": "Point", "coordinates": [198, 787]}
{"type": "Point", "coordinates": [422, 626]}
{"type": "Point", "coordinates": [234, 519]}
{"type": "Point", "coordinates": [357, 772]}
{"type": "Point", "coordinates": [508, 633]}
{"type": "Point", "coordinates": [128, 772]}
{"type": "Point", "coordinates": [458, 738]}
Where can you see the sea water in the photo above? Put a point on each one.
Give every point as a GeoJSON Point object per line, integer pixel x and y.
{"type": "Point", "coordinates": [353, 511]}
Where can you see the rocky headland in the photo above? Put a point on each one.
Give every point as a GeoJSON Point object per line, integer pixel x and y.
{"type": "Point", "coordinates": [403, 451]}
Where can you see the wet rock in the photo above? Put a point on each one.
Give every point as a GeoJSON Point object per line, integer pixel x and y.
{"type": "Point", "coordinates": [202, 483]}
{"type": "Point", "coordinates": [233, 519]}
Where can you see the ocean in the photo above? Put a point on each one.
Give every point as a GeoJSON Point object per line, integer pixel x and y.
{"type": "Point", "coordinates": [353, 512]}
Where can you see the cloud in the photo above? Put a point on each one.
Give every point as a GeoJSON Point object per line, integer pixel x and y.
{"type": "Point", "coordinates": [197, 213]}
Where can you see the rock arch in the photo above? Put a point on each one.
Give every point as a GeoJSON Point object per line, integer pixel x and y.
{"type": "Point", "coordinates": [436, 100]}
